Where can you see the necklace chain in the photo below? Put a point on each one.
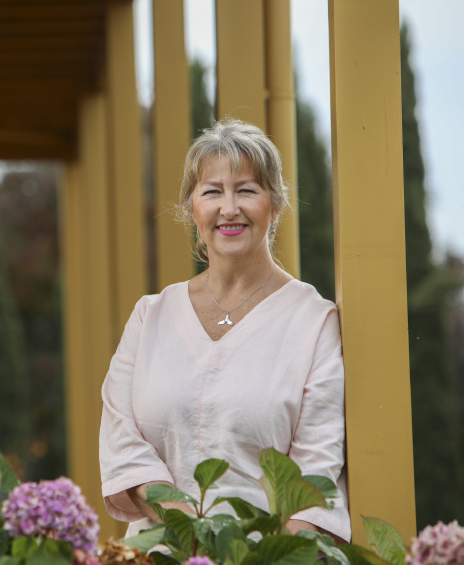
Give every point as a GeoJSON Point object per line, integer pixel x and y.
{"type": "Point", "coordinates": [227, 312]}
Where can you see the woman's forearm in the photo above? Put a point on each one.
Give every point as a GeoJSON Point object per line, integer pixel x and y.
{"type": "Point", "coordinates": [139, 498]}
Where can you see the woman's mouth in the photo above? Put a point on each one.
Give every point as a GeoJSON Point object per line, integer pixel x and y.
{"type": "Point", "coordinates": [231, 229]}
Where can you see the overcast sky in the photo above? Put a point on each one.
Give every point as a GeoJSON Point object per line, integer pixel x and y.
{"type": "Point", "coordinates": [437, 59]}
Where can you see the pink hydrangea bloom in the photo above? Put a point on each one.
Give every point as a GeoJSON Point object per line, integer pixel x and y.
{"type": "Point", "coordinates": [55, 509]}
{"type": "Point", "coordinates": [438, 545]}
{"type": "Point", "coordinates": [82, 558]}
{"type": "Point", "coordinates": [199, 560]}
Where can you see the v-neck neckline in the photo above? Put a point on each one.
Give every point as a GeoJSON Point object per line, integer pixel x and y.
{"type": "Point", "coordinates": [247, 315]}
{"type": "Point", "coordinates": [206, 351]}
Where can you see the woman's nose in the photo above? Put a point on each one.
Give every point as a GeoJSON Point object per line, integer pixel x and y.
{"type": "Point", "coordinates": [229, 207]}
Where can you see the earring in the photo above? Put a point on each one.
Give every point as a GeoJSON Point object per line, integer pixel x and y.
{"type": "Point", "coordinates": [272, 228]}
{"type": "Point", "coordinates": [198, 234]}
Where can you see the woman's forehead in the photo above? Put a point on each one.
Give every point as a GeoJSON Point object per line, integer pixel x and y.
{"type": "Point", "coordinates": [217, 164]}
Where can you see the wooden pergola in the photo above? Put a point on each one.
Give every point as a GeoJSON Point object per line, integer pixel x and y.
{"type": "Point", "coordinates": [68, 92]}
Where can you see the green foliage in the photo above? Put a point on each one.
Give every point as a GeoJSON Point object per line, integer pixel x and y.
{"type": "Point", "coordinates": [438, 461]}
{"type": "Point", "coordinates": [358, 555]}
{"type": "Point", "coordinates": [8, 480]}
{"type": "Point", "coordinates": [202, 109]}
{"type": "Point", "coordinates": [166, 493]}
{"type": "Point", "coordinates": [325, 485]}
{"type": "Point", "coordinates": [208, 472]}
{"type": "Point", "coordinates": [147, 539]}
{"type": "Point", "coordinates": [384, 540]}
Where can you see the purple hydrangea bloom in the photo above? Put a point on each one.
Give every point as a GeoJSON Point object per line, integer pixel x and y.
{"type": "Point", "coordinates": [199, 560]}
{"type": "Point", "coordinates": [55, 509]}
{"type": "Point", "coordinates": [438, 545]}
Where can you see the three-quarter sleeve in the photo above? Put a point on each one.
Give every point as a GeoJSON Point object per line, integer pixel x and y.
{"type": "Point", "coordinates": [318, 443]}
{"type": "Point", "coordinates": [126, 458]}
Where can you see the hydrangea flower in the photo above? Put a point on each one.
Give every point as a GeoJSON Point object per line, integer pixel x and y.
{"type": "Point", "coordinates": [55, 509]}
{"type": "Point", "coordinates": [199, 560]}
{"type": "Point", "coordinates": [438, 545]}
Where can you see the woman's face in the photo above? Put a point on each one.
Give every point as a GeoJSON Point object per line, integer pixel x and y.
{"type": "Point", "coordinates": [232, 212]}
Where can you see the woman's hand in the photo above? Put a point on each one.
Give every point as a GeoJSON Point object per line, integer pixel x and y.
{"type": "Point", "coordinates": [138, 496]}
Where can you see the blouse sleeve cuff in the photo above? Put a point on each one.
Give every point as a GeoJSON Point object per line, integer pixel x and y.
{"type": "Point", "coordinates": [324, 519]}
{"type": "Point", "coordinates": [136, 477]}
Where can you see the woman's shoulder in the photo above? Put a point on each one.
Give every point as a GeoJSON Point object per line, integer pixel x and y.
{"type": "Point", "coordinates": [310, 297]}
{"type": "Point", "coordinates": [154, 301]}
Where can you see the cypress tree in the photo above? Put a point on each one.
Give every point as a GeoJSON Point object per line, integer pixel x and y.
{"type": "Point", "coordinates": [315, 206]}
{"type": "Point", "coordinates": [202, 109]}
{"type": "Point", "coordinates": [437, 460]}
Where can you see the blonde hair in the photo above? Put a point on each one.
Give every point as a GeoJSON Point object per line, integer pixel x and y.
{"type": "Point", "coordinates": [234, 139]}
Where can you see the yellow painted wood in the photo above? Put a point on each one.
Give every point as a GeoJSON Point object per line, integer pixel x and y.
{"type": "Point", "coordinates": [370, 260]}
{"type": "Point", "coordinates": [125, 167]}
{"type": "Point", "coordinates": [282, 122]}
{"type": "Point", "coordinates": [241, 90]}
{"type": "Point", "coordinates": [172, 136]}
{"type": "Point", "coordinates": [89, 293]}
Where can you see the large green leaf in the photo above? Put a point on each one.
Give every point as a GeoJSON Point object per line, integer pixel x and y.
{"type": "Point", "coordinates": [182, 527]}
{"type": "Point", "coordinates": [270, 493]}
{"type": "Point", "coordinates": [7, 560]}
{"type": "Point", "coordinates": [147, 539]}
{"type": "Point", "coordinates": [278, 469]}
{"type": "Point", "coordinates": [299, 495]}
{"type": "Point", "coordinates": [158, 509]}
{"type": "Point", "coordinates": [243, 509]}
{"type": "Point", "coordinates": [22, 547]}
{"type": "Point", "coordinates": [51, 552]}
{"type": "Point", "coordinates": [325, 544]}
{"type": "Point", "coordinates": [384, 540]}
{"type": "Point", "coordinates": [166, 493]}
{"type": "Point", "coordinates": [8, 480]}
{"type": "Point", "coordinates": [209, 471]}
{"type": "Point", "coordinates": [4, 541]}
{"type": "Point", "coordinates": [287, 550]}
{"type": "Point", "coordinates": [226, 536]}
{"type": "Point", "coordinates": [327, 487]}
{"type": "Point", "coordinates": [263, 524]}
{"type": "Point", "coordinates": [237, 551]}
{"type": "Point", "coordinates": [206, 529]}
{"type": "Point", "coordinates": [358, 555]}
{"type": "Point", "coordinates": [163, 559]}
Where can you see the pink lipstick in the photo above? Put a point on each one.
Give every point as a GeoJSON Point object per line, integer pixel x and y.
{"type": "Point", "coordinates": [231, 229]}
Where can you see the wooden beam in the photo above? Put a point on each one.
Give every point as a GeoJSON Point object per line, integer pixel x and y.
{"type": "Point", "coordinates": [47, 56]}
{"type": "Point", "coordinates": [170, 144]}
{"type": "Point", "coordinates": [56, 42]}
{"type": "Point", "coordinates": [50, 27]}
{"type": "Point", "coordinates": [370, 264]}
{"type": "Point", "coordinates": [35, 71]}
{"type": "Point", "coordinates": [281, 115]}
{"type": "Point", "coordinates": [31, 118]}
{"type": "Point", "coordinates": [241, 90]}
{"type": "Point", "coordinates": [34, 138]}
{"type": "Point", "coordinates": [127, 197]}
{"type": "Point", "coordinates": [46, 12]}
{"type": "Point", "coordinates": [31, 152]}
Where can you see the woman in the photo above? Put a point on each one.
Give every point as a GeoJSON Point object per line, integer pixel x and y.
{"type": "Point", "coordinates": [240, 358]}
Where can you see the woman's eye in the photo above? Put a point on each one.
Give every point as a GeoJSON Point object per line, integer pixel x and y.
{"type": "Point", "coordinates": [248, 190]}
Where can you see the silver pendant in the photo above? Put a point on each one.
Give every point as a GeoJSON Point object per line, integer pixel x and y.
{"type": "Point", "coordinates": [226, 321]}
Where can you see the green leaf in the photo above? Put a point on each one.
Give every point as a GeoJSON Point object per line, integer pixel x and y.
{"type": "Point", "coordinates": [163, 559]}
{"type": "Point", "coordinates": [287, 550]}
{"type": "Point", "coordinates": [7, 560]}
{"type": "Point", "coordinates": [147, 539]}
{"type": "Point", "coordinates": [8, 480]}
{"type": "Point", "coordinates": [358, 555]}
{"type": "Point", "coordinates": [263, 524]}
{"type": "Point", "coordinates": [4, 541]}
{"type": "Point", "coordinates": [384, 540]}
{"type": "Point", "coordinates": [252, 559]}
{"type": "Point", "coordinates": [299, 495]}
{"type": "Point", "coordinates": [243, 509]}
{"type": "Point", "coordinates": [209, 471]}
{"type": "Point", "coordinates": [327, 487]}
{"type": "Point", "coordinates": [278, 469]}
{"type": "Point", "coordinates": [270, 493]}
{"type": "Point", "coordinates": [237, 551]}
{"type": "Point", "coordinates": [166, 493]}
{"type": "Point", "coordinates": [182, 526]}
{"type": "Point", "coordinates": [51, 552]}
{"type": "Point", "coordinates": [226, 536]}
{"type": "Point", "coordinates": [158, 509]}
{"type": "Point", "coordinates": [326, 544]}
{"type": "Point", "coordinates": [22, 547]}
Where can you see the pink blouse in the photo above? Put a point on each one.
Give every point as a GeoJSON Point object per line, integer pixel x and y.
{"type": "Point", "coordinates": [173, 397]}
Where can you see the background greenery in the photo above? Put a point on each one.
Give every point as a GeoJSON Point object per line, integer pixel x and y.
{"type": "Point", "coordinates": [32, 429]}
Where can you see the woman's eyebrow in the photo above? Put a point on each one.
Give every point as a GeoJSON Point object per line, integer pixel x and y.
{"type": "Point", "coordinates": [212, 183]}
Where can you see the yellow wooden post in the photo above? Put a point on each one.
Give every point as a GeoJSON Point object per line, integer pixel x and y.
{"type": "Point", "coordinates": [282, 121]}
{"type": "Point", "coordinates": [241, 83]}
{"type": "Point", "coordinates": [125, 166]}
{"type": "Point", "coordinates": [89, 294]}
{"type": "Point", "coordinates": [172, 135]}
{"type": "Point", "coordinates": [370, 259]}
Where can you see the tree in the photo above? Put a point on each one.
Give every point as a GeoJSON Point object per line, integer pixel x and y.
{"type": "Point", "coordinates": [437, 459]}
{"type": "Point", "coordinates": [202, 109]}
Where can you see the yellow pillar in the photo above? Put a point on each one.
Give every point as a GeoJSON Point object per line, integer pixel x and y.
{"type": "Point", "coordinates": [125, 164]}
{"type": "Point", "coordinates": [281, 122]}
{"type": "Point", "coordinates": [370, 260]}
{"type": "Point", "coordinates": [241, 82]}
{"type": "Point", "coordinates": [172, 135]}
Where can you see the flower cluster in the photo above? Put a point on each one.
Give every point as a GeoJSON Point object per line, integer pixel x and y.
{"type": "Point", "coordinates": [111, 552]}
{"type": "Point", "coordinates": [438, 545]}
{"type": "Point", "coordinates": [55, 509]}
{"type": "Point", "coordinates": [199, 560]}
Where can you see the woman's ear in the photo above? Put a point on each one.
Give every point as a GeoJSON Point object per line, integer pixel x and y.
{"type": "Point", "coordinates": [275, 215]}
